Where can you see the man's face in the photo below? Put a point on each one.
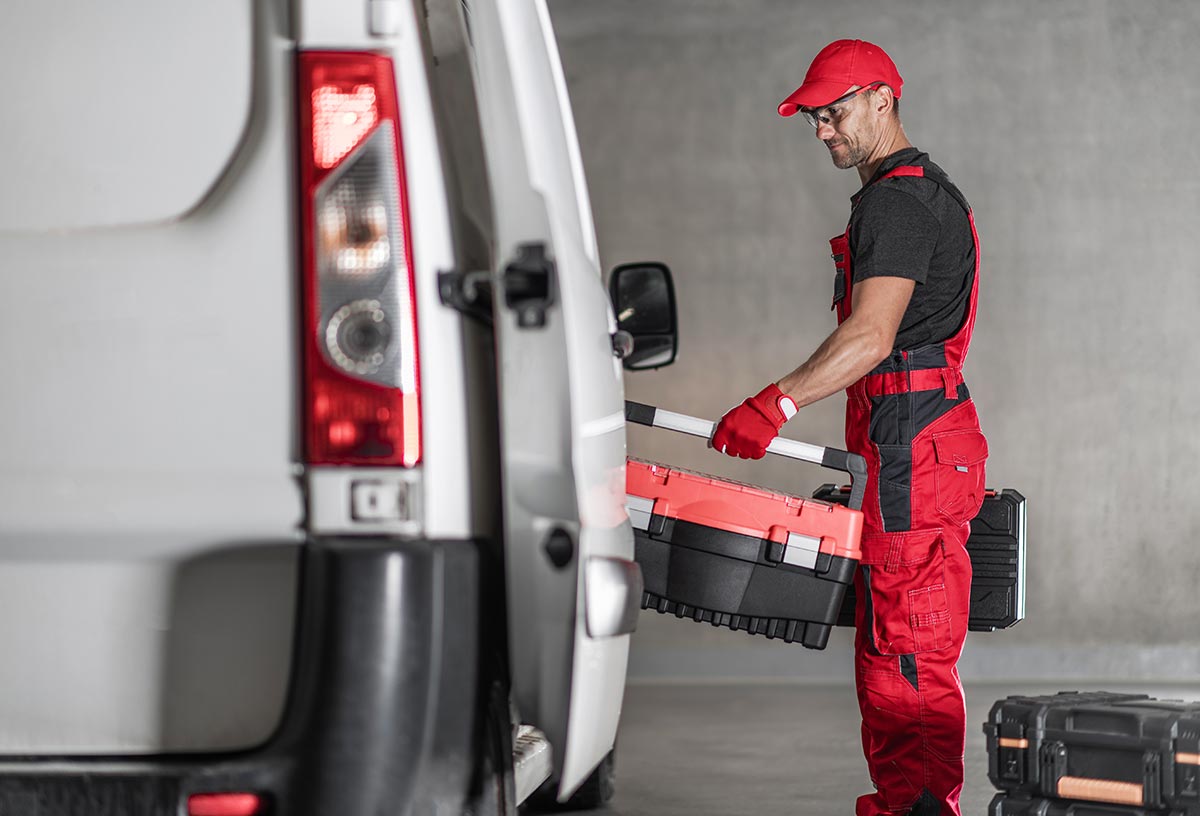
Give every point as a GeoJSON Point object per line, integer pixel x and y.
{"type": "Point", "coordinates": [847, 129]}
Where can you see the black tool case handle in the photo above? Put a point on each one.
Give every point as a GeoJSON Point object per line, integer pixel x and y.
{"type": "Point", "coordinates": [844, 461]}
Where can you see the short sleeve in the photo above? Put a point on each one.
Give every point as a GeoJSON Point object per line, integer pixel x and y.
{"type": "Point", "coordinates": [892, 234]}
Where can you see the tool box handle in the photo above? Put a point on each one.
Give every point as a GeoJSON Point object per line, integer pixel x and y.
{"type": "Point", "coordinates": [833, 458]}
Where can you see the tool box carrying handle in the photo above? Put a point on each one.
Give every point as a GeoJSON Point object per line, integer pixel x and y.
{"type": "Point", "coordinates": [833, 458]}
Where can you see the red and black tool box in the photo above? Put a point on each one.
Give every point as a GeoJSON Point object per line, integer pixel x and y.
{"type": "Point", "coordinates": [1004, 805]}
{"type": "Point", "coordinates": [997, 550]}
{"type": "Point", "coordinates": [1116, 749]}
{"type": "Point", "coordinates": [737, 555]}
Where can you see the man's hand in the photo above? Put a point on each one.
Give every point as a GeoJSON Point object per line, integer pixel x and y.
{"type": "Point", "coordinates": [746, 430]}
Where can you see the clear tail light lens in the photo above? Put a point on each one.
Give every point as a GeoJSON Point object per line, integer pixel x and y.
{"type": "Point", "coordinates": [362, 386]}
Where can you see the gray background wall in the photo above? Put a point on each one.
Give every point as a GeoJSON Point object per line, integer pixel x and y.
{"type": "Point", "coordinates": [1072, 128]}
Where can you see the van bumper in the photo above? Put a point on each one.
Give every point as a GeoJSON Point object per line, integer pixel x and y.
{"type": "Point", "coordinates": [381, 713]}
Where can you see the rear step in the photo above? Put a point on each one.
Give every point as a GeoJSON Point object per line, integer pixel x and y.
{"type": "Point", "coordinates": [532, 761]}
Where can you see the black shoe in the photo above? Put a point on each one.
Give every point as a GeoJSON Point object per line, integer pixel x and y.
{"type": "Point", "coordinates": [926, 806]}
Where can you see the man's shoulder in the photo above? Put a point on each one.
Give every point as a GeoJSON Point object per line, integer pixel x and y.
{"type": "Point", "coordinates": [935, 180]}
{"type": "Point", "coordinates": [899, 197]}
{"type": "Point", "coordinates": [933, 194]}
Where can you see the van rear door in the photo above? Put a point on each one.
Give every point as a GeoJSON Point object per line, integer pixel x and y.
{"type": "Point", "coordinates": [150, 515]}
{"type": "Point", "coordinates": [573, 589]}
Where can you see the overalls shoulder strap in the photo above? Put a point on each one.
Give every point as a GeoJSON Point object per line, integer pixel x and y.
{"type": "Point", "coordinates": [940, 179]}
{"type": "Point", "coordinates": [955, 347]}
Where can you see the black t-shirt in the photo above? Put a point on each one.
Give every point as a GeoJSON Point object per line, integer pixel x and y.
{"type": "Point", "coordinates": [910, 227]}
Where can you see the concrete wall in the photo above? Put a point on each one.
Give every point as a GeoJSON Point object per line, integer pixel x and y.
{"type": "Point", "coordinates": [1072, 128]}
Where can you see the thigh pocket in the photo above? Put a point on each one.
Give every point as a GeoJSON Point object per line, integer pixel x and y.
{"type": "Point", "coordinates": [958, 473]}
{"type": "Point", "coordinates": [906, 578]}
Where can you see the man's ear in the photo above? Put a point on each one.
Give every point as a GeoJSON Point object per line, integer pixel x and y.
{"type": "Point", "coordinates": [883, 100]}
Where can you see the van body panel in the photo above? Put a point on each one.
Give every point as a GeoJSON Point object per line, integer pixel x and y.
{"type": "Point", "coordinates": [338, 24]}
{"type": "Point", "coordinates": [583, 204]}
{"type": "Point", "coordinates": [149, 654]}
{"type": "Point", "coordinates": [125, 117]}
{"type": "Point", "coordinates": [150, 511]}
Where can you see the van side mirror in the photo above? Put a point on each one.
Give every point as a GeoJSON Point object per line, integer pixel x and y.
{"type": "Point", "coordinates": [643, 297]}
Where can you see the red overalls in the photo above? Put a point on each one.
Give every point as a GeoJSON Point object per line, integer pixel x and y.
{"type": "Point", "coordinates": [913, 419]}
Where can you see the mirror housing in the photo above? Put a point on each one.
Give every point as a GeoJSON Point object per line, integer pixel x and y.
{"type": "Point", "coordinates": [643, 298]}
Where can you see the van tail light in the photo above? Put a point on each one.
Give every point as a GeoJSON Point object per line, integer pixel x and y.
{"type": "Point", "coordinates": [224, 804]}
{"type": "Point", "coordinates": [361, 374]}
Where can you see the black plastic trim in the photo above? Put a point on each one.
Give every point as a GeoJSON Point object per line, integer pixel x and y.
{"type": "Point", "coordinates": [468, 292]}
{"type": "Point", "coordinates": [639, 413]}
{"type": "Point", "coordinates": [728, 579]}
{"type": "Point", "coordinates": [383, 712]}
{"type": "Point", "coordinates": [856, 466]}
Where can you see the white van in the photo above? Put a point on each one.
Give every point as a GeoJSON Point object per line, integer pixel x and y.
{"type": "Point", "coordinates": [311, 414]}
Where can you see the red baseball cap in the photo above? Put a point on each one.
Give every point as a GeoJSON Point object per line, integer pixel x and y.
{"type": "Point", "coordinates": [841, 66]}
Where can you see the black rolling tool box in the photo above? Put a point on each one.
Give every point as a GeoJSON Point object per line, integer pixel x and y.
{"type": "Point", "coordinates": [1116, 749]}
{"type": "Point", "coordinates": [997, 550]}
{"type": "Point", "coordinates": [740, 556]}
{"type": "Point", "coordinates": [1004, 805]}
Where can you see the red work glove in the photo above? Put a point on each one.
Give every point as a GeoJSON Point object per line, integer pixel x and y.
{"type": "Point", "coordinates": [746, 430]}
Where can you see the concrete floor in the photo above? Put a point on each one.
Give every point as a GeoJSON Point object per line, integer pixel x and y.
{"type": "Point", "coordinates": [771, 750]}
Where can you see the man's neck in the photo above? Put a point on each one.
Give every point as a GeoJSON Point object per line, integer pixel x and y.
{"type": "Point", "coordinates": [891, 142]}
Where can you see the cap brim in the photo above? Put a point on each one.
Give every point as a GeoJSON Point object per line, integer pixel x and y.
{"type": "Point", "coordinates": [813, 95]}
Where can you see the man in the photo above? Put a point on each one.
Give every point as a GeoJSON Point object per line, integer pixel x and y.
{"type": "Point", "coordinates": [905, 293]}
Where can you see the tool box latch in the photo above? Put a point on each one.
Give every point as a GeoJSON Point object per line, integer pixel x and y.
{"type": "Point", "coordinates": [802, 551]}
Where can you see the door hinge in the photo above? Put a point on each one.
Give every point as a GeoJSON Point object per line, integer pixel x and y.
{"type": "Point", "coordinates": [468, 292]}
{"type": "Point", "coordinates": [529, 285]}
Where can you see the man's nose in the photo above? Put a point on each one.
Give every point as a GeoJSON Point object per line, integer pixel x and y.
{"type": "Point", "coordinates": [825, 131]}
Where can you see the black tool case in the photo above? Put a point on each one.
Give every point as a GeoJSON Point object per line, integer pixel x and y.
{"type": "Point", "coordinates": [735, 555]}
{"type": "Point", "coordinates": [1004, 805]}
{"type": "Point", "coordinates": [997, 550]}
{"type": "Point", "coordinates": [1117, 749]}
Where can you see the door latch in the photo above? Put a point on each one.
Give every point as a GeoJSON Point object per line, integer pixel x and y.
{"type": "Point", "coordinates": [529, 286]}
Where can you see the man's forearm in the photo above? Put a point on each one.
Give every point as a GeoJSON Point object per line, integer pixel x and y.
{"type": "Point", "coordinates": [851, 351]}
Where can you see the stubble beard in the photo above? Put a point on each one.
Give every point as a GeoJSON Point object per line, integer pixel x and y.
{"type": "Point", "coordinates": [855, 155]}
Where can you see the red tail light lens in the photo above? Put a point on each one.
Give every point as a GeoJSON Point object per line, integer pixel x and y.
{"type": "Point", "coordinates": [362, 389]}
{"type": "Point", "coordinates": [224, 804]}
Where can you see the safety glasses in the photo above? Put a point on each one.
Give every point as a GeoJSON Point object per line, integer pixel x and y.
{"type": "Point", "coordinates": [836, 110]}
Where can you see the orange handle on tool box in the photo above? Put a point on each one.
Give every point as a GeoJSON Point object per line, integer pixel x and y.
{"type": "Point", "coordinates": [833, 458]}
